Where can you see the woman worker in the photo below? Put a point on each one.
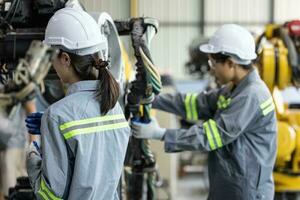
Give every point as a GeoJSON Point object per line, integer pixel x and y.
{"type": "Point", "coordinates": [84, 136]}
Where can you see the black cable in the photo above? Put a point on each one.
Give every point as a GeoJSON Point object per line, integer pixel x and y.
{"type": "Point", "coordinates": [11, 8]}
{"type": "Point", "coordinates": [15, 10]}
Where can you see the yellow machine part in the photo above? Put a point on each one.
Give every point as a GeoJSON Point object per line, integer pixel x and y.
{"type": "Point", "coordinates": [296, 159]}
{"type": "Point", "coordinates": [286, 143]}
{"type": "Point", "coordinates": [267, 65]}
{"type": "Point", "coordinates": [288, 150]}
{"type": "Point", "coordinates": [284, 73]}
{"type": "Point", "coordinates": [285, 182]}
{"type": "Point", "coordinates": [269, 30]}
{"type": "Point", "coordinates": [277, 74]}
{"type": "Point", "coordinates": [281, 107]}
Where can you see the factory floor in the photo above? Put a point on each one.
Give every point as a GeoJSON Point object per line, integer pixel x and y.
{"type": "Point", "coordinates": [192, 187]}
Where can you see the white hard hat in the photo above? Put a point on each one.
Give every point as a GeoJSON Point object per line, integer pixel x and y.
{"type": "Point", "coordinates": [75, 31]}
{"type": "Point", "coordinates": [232, 40]}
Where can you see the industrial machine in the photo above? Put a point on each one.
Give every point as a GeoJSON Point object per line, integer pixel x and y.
{"type": "Point", "coordinates": [279, 67]}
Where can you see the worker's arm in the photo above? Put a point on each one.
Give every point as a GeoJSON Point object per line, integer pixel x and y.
{"type": "Point", "coordinates": [215, 132]}
{"type": "Point", "coordinates": [191, 106]}
{"type": "Point", "coordinates": [49, 176]}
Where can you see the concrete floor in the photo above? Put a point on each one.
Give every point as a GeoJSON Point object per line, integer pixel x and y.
{"type": "Point", "coordinates": [192, 187]}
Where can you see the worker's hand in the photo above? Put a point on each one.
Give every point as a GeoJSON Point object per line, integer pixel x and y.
{"type": "Point", "coordinates": [149, 130]}
{"type": "Point", "coordinates": [33, 123]}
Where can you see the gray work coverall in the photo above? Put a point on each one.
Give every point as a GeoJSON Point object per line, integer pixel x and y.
{"type": "Point", "coordinates": [82, 151]}
{"type": "Point", "coordinates": [239, 132]}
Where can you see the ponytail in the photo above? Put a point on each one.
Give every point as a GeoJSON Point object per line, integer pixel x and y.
{"type": "Point", "coordinates": [86, 68]}
{"type": "Point", "coordinates": [109, 90]}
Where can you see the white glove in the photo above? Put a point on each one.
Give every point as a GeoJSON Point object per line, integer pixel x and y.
{"type": "Point", "coordinates": [34, 148]}
{"type": "Point", "coordinates": [150, 130]}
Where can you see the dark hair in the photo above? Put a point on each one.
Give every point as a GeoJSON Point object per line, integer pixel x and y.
{"type": "Point", "coordinates": [90, 67]}
{"type": "Point", "coordinates": [222, 58]}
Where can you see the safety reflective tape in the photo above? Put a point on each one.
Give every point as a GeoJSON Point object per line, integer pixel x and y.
{"type": "Point", "coordinates": [219, 104]}
{"type": "Point", "coordinates": [216, 133]}
{"type": "Point", "coordinates": [92, 125]}
{"type": "Point", "coordinates": [268, 109]}
{"type": "Point", "coordinates": [222, 98]}
{"type": "Point", "coordinates": [43, 195]}
{"type": "Point", "coordinates": [226, 103]}
{"type": "Point", "coordinates": [194, 107]}
{"type": "Point", "coordinates": [266, 103]}
{"type": "Point", "coordinates": [45, 190]}
{"type": "Point", "coordinates": [220, 101]}
{"type": "Point", "coordinates": [209, 136]}
{"type": "Point", "coordinates": [101, 128]}
{"type": "Point", "coordinates": [90, 120]}
{"type": "Point", "coordinates": [223, 102]}
{"type": "Point", "coordinates": [187, 106]}
{"type": "Point", "coordinates": [267, 106]}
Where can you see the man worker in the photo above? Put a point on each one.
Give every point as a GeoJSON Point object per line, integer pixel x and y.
{"type": "Point", "coordinates": [239, 121]}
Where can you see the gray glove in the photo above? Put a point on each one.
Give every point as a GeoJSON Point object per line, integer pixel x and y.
{"type": "Point", "coordinates": [149, 130]}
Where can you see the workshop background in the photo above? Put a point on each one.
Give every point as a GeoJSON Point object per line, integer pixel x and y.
{"type": "Point", "coordinates": [183, 21]}
{"type": "Point", "coordinates": [182, 25]}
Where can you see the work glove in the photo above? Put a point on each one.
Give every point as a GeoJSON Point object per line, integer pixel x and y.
{"type": "Point", "coordinates": [34, 148]}
{"type": "Point", "coordinates": [149, 130]}
{"type": "Point", "coordinates": [33, 123]}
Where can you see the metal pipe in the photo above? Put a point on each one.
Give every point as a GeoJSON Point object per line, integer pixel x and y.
{"type": "Point", "coordinates": [133, 8]}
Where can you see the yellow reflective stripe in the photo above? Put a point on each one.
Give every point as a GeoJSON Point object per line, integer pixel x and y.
{"type": "Point", "coordinates": [43, 195]}
{"type": "Point", "coordinates": [209, 136]}
{"type": "Point", "coordinates": [223, 102]}
{"type": "Point", "coordinates": [228, 101]}
{"type": "Point", "coordinates": [222, 98]}
{"type": "Point", "coordinates": [83, 131]}
{"type": "Point", "coordinates": [187, 107]}
{"type": "Point", "coordinates": [266, 103]}
{"type": "Point", "coordinates": [219, 104]}
{"type": "Point", "coordinates": [90, 120]}
{"type": "Point", "coordinates": [268, 109]}
{"type": "Point", "coordinates": [216, 133]}
{"type": "Point", "coordinates": [194, 107]}
{"type": "Point", "coordinates": [47, 191]}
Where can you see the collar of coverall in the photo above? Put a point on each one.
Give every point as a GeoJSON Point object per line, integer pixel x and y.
{"type": "Point", "coordinates": [251, 77]}
{"type": "Point", "coordinates": [82, 86]}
